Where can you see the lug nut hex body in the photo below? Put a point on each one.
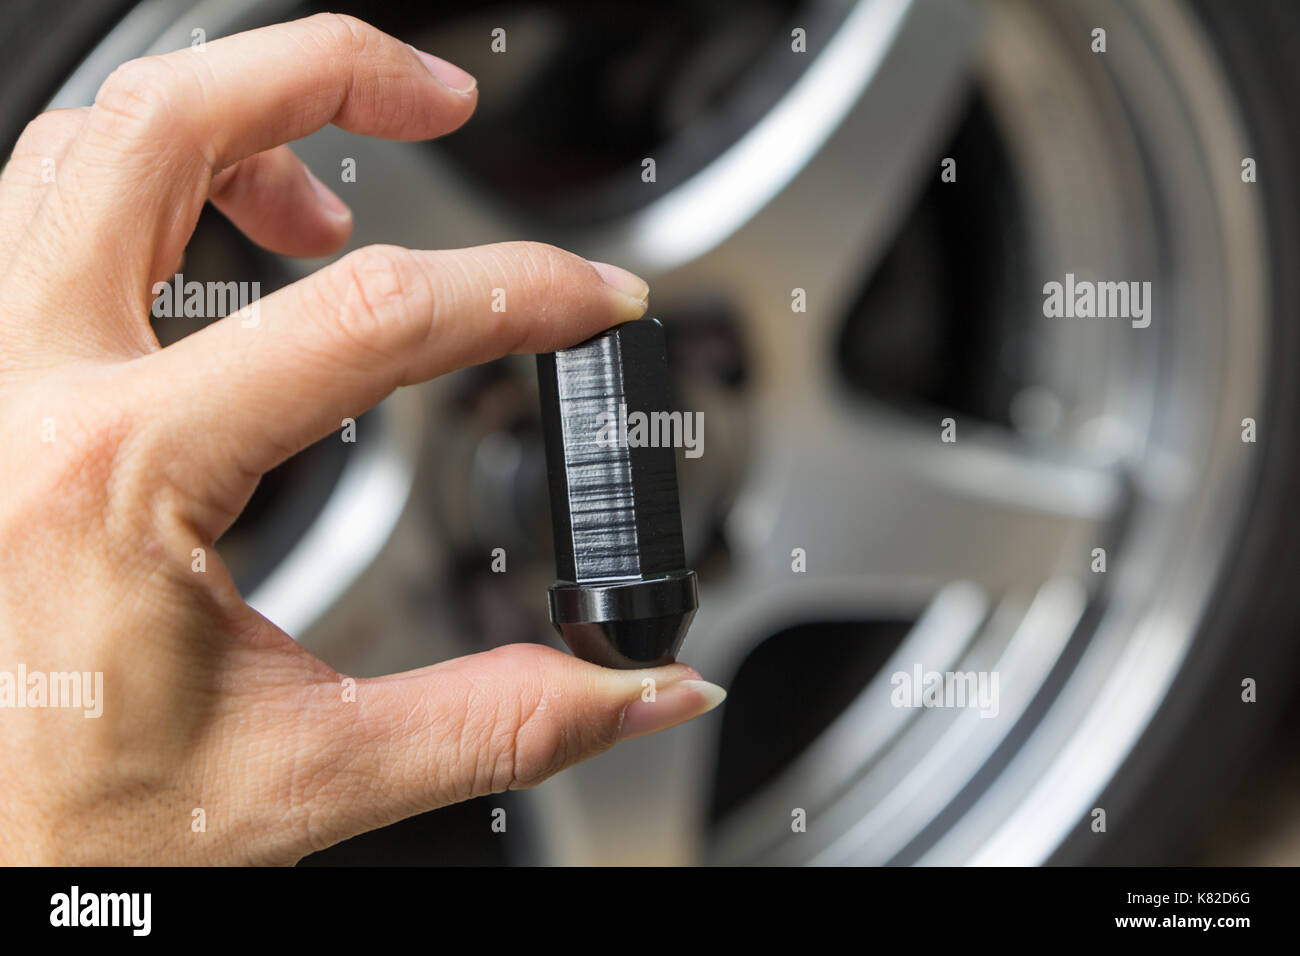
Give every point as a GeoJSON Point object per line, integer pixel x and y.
{"type": "Point", "coordinates": [624, 597]}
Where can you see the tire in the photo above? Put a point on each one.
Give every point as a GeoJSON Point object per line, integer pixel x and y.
{"type": "Point", "coordinates": [1204, 738]}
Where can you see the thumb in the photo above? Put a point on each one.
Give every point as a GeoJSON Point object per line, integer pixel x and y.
{"type": "Point", "coordinates": [501, 720]}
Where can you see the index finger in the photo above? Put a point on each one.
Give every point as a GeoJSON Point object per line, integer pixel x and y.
{"type": "Point", "coordinates": [137, 177]}
{"type": "Point", "coordinates": [245, 93]}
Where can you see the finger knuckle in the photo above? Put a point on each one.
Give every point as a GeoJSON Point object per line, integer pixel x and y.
{"type": "Point", "coordinates": [526, 739]}
{"type": "Point", "coordinates": [48, 131]}
{"type": "Point", "coordinates": [34, 130]}
{"type": "Point", "coordinates": [340, 33]}
{"type": "Point", "coordinates": [543, 278]}
{"type": "Point", "coordinates": [546, 270]}
{"type": "Point", "coordinates": [140, 91]}
{"type": "Point", "coordinates": [372, 290]}
{"type": "Point", "coordinates": [77, 468]}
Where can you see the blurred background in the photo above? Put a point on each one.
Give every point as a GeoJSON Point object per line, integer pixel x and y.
{"type": "Point", "coordinates": [782, 165]}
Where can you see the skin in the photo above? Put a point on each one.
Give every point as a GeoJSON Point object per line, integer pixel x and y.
{"type": "Point", "coordinates": [206, 704]}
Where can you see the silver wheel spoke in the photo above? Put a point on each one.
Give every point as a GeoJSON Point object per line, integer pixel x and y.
{"type": "Point", "coordinates": [868, 111]}
{"type": "Point", "coordinates": [888, 515]}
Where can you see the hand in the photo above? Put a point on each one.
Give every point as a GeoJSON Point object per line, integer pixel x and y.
{"type": "Point", "coordinates": [122, 459]}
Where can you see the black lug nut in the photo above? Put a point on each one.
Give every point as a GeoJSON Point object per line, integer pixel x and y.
{"type": "Point", "coordinates": [624, 597]}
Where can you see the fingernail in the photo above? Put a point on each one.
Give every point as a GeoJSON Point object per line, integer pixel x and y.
{"type": "Point", "coordinates": [672, 705]}
{"type": "Point", "coordinates": [331, 203]}
{"type": "Point", "coordinates": [628, 283]}
{"type": "Point", "coordinates": [448, 74]}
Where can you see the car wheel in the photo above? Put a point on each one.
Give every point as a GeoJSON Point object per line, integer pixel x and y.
{"type": "Point", "coordinates": [1099, 536]}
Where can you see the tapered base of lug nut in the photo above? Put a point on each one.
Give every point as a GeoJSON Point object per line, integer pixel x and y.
{"type": "Point", "coordinates": [626, 624]}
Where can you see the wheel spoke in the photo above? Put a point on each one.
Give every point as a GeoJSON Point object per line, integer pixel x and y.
{"type": "Point", "coordinates": [887, 515]}
{"type": "Point", "coordinates": [867, 112]}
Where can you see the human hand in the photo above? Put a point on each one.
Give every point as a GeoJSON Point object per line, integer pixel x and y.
{"type": "Point", "coordinates": [123, 461]}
